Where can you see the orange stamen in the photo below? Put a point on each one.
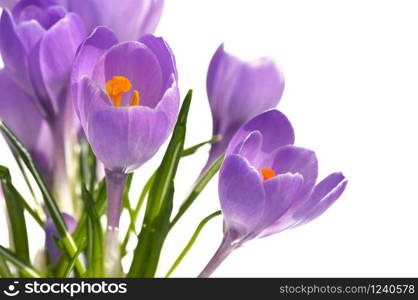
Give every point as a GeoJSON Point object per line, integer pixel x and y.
{"type": "Point", "coordinates": [116, 87]}
{"type": "Point", "coordinates": [267, 173]}
{"type": "Point", "coordinates": [135, 99]}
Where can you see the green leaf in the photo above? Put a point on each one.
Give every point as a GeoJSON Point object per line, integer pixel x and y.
{"type": "Point", "coordinates": [80, 233]}
{"type": "Point", "coordinates": [15, 210]}
{"type": "Point", "coordinates": [192, 241]}
{"type": "Point", "coordinates": [94, 237]}
{"type": "Point", "coordinates": [198, 188]}
{"type": "Point", "coordinates": [160, 202]}
{"type": "Point", "coordinates": [126, 202]}
{"type": "Point", "coordinates": [58, 220]}
{"type": "Point", "coordinates": [25, 269]}
{"type": "Point", "coordinates": [5, 175]}
{"type": "Point", "coordinates": [87, 165]}
{"type": "Point", "coordinates": [4, 269]}
{"type": "Point", "coordinates": [193, 149]}
{"type": "Point", "coordinates": [71, 264]}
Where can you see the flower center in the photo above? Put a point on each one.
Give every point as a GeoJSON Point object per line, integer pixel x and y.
{"type": "Point", "coordinates": [119, 85]}
{"type": "Point", "coordinates": [267, 173]}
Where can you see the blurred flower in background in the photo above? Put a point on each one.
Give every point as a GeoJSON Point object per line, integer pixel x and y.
{"type": "Point", "coordinates": [38, 41]}
{"type": "Point", "coordinates": [128, 19]}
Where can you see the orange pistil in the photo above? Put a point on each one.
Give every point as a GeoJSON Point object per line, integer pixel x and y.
{"type": "Point", "coordinates": [267, 173]}
{"type": "Point", "coordinates": [117, 86]}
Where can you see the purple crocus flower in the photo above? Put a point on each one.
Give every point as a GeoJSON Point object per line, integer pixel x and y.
{"type": "Point", "coordinates": [38, 42]}
{"type": "Point", "coordinates": [18, 111]}
{"type": "Point", "coordinates": [51, 234]}
{"type": "Point", "coordinates": [267, 185]}
{"type": "Point", "coordinates": [239, 90]}
{"type": "Point", "coordinates": [127, 99]}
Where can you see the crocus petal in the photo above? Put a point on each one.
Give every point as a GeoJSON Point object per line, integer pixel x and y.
{"type": "Point", "coordinates": [251, 147]}
{"type": "Point", "coordinates": [124, 138]}
{"type": "Point", "coordinates": [16, 106]}
{"type": "Point", "coordinates": [242, 196]}
{"type": "Point", "coordinates": [30, 33]}
{"type": "Point", "coordinates": [129, 19]}
{"type": "Point", "coordinates": [91, 99]}
{"type": "Point", "coordinates": [133, 135]}
{"type": "Point", "coordinates": [8, 3]}
{"type": "Point", "coordinates": [165, 56]}
{"type": "Point", "coordinates": [136, 62]}
{"type": "Point", "coordinates": [89, 52]}
{"type": "Point", "coordinates": [66, 35]}
{"type": "Point", "coordinates": [34, 131]}
{"type": "Point", "coordinates": [23, 4]}
{"type": "Point", "coordinates": [44, 12]}
{"type": "Point", "coordinates": [13, 51]}
{"type": "Point", "coordinates": [323, 196]}
{"type": "Point", "coordinates": [295, 160]}
{"type": "Point", "coordinates": [275, 128]}
{"type": "Point", "coordinates": [281, 192]}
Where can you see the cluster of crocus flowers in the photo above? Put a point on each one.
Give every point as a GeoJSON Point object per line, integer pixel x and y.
{"type": "Point", "coordinates": [38, 44]}
{"type": "Point", "coordinates": [93, 67]}
{"type": "Point", "coordinates": [127, 99]}
{"type": "Point", "coordinates": [267, 185]}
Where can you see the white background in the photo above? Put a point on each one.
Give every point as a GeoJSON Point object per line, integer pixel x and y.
{"type": "Point", "coordinates": [351, 71]}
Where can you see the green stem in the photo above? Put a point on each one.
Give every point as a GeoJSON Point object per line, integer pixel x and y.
{"type": "Point", "coordinates": [36, 214]}
{"type": "Point", "coordinates": [4, 269]}
{"type": "Point", "coordinates": [192, 241]}
{"type": "Point", "coordinates": [193, 149]}
{"type": "Point", "coordinates": [198, 188]}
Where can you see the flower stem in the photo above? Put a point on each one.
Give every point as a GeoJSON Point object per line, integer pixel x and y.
{"type": "Point", "coordinates": [115, 185]}
{"type": "Point", "coordinates": [192, 241]}
{"type": "Point", "coordinates": [61, 186]}
{"type": "Point", "coordinates": [224, 250]}
{"type": "Point", "coordinates": [197, 189]}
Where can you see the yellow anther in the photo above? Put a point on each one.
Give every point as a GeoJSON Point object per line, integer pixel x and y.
{"type": "Point", "coordinates": [116, 87]}
{"type": "Point", "coordinates": [135, 99]}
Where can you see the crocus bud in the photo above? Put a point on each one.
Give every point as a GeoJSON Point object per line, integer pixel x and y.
{"type": "Point", "coordinates": [267, 185]}
{"type": "Point", "coordinates": [51, 235]}
{"type": "Point", "coordinates": [128, 19]}
{"type": "Point", "coordinates": [237, 91]}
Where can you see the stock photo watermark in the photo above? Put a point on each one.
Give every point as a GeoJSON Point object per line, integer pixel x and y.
{"type": "Point", "coordinates": [64, 288]}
